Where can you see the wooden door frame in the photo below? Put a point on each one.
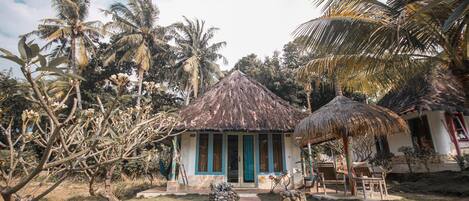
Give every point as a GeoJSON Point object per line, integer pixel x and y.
{"type": "Point", "coordinates": [241, 183]}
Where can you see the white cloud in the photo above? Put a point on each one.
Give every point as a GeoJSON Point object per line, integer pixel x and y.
{"type": "Point", "coordinates": [248, 26]}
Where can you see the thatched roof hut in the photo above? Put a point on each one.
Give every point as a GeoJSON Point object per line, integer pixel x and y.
{"type": "Point", "coordinates": [343, 116]}
{"type": "Point", "coordinates": [239, 103]}
{"type": "Point", "coordinates": [439, 90]}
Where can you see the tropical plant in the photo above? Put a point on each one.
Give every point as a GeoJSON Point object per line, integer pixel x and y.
{"type": "Point", "coordinates": [136, 32]}
{"type": "Point", "coordinates": [55, 140]}
{"type": "Point", "coordinates": [197, 56]}
{"type": "Point", "coordinates": [388, 42]}
{"type": "Point", "coordinates": [75, 37]}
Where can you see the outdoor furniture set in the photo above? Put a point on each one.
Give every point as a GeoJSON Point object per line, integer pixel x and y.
{"type": "Point", "coordinates": [363, 177]}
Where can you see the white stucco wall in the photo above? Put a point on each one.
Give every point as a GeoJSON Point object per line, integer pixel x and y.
{"type": "Point", "coordinates": [441, 142]}
{"type": "Point", "coordinates": [398, 140]}
{"type": "Point", "coordinates": [439, 134]}
{"type": "Point", "coordinates": [188, 158]}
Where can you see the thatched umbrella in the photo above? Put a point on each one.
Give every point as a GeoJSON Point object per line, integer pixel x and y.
{"type": "Point", "coordinates": [343, 118]}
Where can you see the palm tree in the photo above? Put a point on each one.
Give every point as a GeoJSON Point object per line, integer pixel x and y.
{"type": "Point", "coordinates": [75, 36]}
{"type": "Point", "coordinates": [197, 65]}
{"type": "Point", "coordinates": [136, 32]}
{"type": "Point", "coordinates": [389, 41]}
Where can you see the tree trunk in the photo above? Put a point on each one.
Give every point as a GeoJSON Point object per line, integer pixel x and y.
{"type": "Point", "coordinates": [308, 101]}
{"type": "Point", "coordinates": [108, 194]}
{"type": "Point", "coordinates": [140, 82]}
{"type": "Point", "coordinates": [337, 87]}
{"type": "Point", "coordinates": [188, 94]}
{"type": "Point", "coordinates": [73, 64]}
{"type": "Point", "coordinates": [202, 86]}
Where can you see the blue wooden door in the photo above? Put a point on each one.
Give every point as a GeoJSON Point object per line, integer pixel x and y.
{"type": "Point", "coordinates": [248, 158]}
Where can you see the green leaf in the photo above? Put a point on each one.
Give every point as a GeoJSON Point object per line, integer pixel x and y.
{"type": "Point", "coordinates": [34, 50]}
{"type": "Point", "coordinates": [24, 50]}
{"type": "Point", "coordinates": [59, 72]}
{"type": "Point", "coordinates": [51, 69]}
{"type": "Point", "coordinates": [57, 61]}
{"type": "Point", "coordinates": [4, 51]}
{"type": "Point", "coordinates": [75, 76]}
{"type": "Point", "coordinates": [14, 59]}
{"type": "Point", "coordinates": [42, 60]}
{"type": "Point", "coordinates": [457, 13]}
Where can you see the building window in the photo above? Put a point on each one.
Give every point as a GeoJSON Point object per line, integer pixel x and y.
{"type": "Point", "coordinates": [420, 132]}
{"type": "Point", "coordinates": [203, 153]}
{"type": "Point", "coordinates": [382, 145]}
{"type": "Point", "coordinates": [277, 150]}
{"type": "Point", "coordinates": [209, 153]}
{"type": "Point", "coordinates": [217, 152]}
{"type": "Point", "coordinates": [263, 153]}
{"type": "Point", "coordinates": [457, 125]}
{"type": "Point", "coordinates": [271, 153]}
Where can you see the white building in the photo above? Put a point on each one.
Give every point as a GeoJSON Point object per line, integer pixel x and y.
{"type": "Point", "coordinates": [238, 132]}
{"type": "Point", "coordinates": [434, 107]}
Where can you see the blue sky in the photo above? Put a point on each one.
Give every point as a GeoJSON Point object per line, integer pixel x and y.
{"type": "Point", "coordinates": [248, 26]}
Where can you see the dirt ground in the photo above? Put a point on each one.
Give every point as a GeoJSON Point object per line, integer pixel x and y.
{"type": "Point", "coordinates": [439, 183]}
{"type": "Point", "coordinates": [417, 187]}
{"type": "Point", "coordinates": [72, 191]}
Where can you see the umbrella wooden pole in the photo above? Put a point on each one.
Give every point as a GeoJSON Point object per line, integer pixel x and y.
{"type": "Point", "coordinates": [348, 160]}
{"type": "Point", "coordinates": [311, 167]}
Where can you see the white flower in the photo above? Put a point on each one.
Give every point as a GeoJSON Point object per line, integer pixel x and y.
{"type": "Point", "coordinates": [154, 87]}
{"type": "Point", "coordinates": [58, 105]}
{"type": "Point", "coordinates": [29, 115]}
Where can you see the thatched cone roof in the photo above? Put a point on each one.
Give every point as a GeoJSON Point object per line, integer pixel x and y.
{"type": "Point", "coordinates": [239, 103]}
{"type": "Point", "coordinates": [345, 116]}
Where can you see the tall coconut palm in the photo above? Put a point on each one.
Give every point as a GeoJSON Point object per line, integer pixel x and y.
{"type": "Point", "coordinates": [74, 36]}
{"type": "Point", "coordinates": [136, 32]}
{"type": "Point", "coordinates": [197, 65]}
{"type": "Point", "coordinates": [389, 41]}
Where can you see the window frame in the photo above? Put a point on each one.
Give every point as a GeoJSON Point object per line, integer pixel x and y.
{"type": "Point", "coordinates": [460, 117]}
{"type": "Point", "coordinates": [270, 154]}
{"type": "Point", "coordinates": [210, 155]}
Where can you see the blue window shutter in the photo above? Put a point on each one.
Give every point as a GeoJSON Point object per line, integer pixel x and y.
{"type": "Point", "coordinates": [271, 153]}
{"type": "Point", "coordinates": [210, 156]}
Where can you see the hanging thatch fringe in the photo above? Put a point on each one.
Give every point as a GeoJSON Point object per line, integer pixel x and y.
{"type": "Point", "coordinates": [344, 116]}
{"type": "Point", "coordinates": [437, 90]}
